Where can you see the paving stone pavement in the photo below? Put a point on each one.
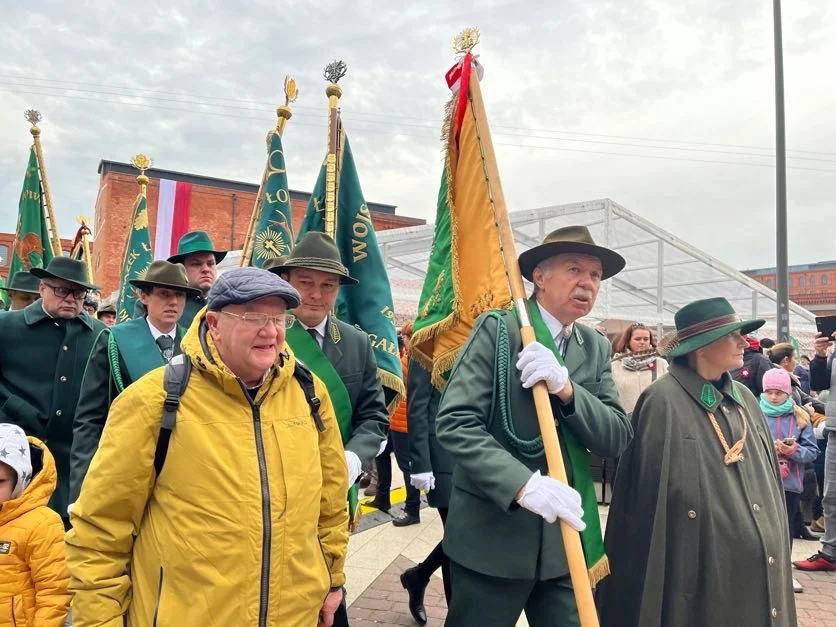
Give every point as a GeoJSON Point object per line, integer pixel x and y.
{"type": "Point", "coordinates": [816, 606]}
{"type": "Point", "coordinates": [384, 602]}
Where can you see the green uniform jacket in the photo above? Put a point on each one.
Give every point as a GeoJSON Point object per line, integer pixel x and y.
{"type": "Point", "coordinates": [427, 455]}
{"type": "Point", "coordinates": [486, 530]}
{"type": "Point", "coordinates": [98, 389]}
{"type": "Point", "coordinates": [692, 541]}
{"type": "Point", "coordinates": [41, 367]}
{"type": "Point", "coordinates": [194, 303]}
{"type": "Point", "coordinates": [350, 352]}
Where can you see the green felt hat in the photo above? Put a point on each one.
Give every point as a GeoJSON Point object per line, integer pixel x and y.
{"type": "Point", "coordinates": [316, 251]}
{"type": "Point", "coordinates": [274, 262]}
{"type": "Point", "coordinates": [702, 322]}
{"type": "Point", "coordinates": [166, 274]}
{"type": "Point", "coordinates": [71, 270]}
{"type": "Point", "coordinates": [23, 281]}
{"type": "Point", "coordinates": [111, 308]}
{"type": "Point", "coordinates": [196, 242]}
{"type": "Point", "coordinates": [571, 239]}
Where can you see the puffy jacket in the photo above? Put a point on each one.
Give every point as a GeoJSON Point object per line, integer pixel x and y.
{"type": "Point", "coordinates": [398, 420]}
{"type": "Point", "coordinates": [755, 364]}
{"type": "Point", "coordinates": [246, 524]}
{"type": "Point", "coordinates": [33, 573]}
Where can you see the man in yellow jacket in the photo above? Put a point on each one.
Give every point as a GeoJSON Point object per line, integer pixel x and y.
{"type": "Point", "coordinates": [246, 523]}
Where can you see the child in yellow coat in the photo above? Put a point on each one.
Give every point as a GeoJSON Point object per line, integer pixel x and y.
{"type": "Point", "coordinates": [33, 572]}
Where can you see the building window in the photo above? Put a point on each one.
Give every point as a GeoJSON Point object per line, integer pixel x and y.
{"type": "Point", "coordinates": [4, 255]}
{"type": "Point", "coordinates": [801, 281]}
{"type": "Point", "coordinates": [824, 279]}
{"type": "Point", "coordinates": [789, 281]}
{"type": "Point", "coordinates": [812, 281]}
{"type": "Point", "coordinates": [770, 283]}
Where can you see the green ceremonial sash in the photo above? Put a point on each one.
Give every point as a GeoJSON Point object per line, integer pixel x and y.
{"type": "Point", "coordinates": [593, 543]}
{"type": "Point", "coordinates": [307, 350]}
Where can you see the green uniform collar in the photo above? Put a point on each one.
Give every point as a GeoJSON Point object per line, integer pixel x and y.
{"type": "Point", "coordinates": [34, 313]}
{"type": "Point", "coordinates": [705, 392]}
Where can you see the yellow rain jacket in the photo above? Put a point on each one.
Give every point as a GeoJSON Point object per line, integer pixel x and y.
{"type": "Point", "coordinates": [247, 523]}
{"type": "Point", "coordinates": [33, 575]}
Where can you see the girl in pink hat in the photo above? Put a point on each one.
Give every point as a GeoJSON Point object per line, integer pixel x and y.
{"type": "Point", "coordinates": [792, 432]}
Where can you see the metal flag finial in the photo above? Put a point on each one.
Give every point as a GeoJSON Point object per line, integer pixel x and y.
{"type": "Point", "coordinates": [335, 70]}
{"type": "Point", "coordinates": [291, 92]}
{"type": "Point", "coordinates": [466, 40]}
{"type": "Point", "coordinates": [33, 116]}
{"type": "Point", "coordinates": [141, 163]}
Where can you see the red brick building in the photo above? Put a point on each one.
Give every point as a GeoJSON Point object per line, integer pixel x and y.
{"type": "Point", "coordinates": [812, 286]}
{"type": "Point", "coordinates": [221, 207]}
{"type": "Point", "coordinates": [7, 243]}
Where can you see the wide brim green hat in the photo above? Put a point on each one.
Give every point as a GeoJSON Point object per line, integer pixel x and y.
{"type": "Point", "coordinates": [71, 270]}
{"type": "Point", "coordinates": [23, 281]}
{"type": "Point", "coordinates": [702, 322]}
{"type": "Point", "coordinates": [316, 251]}
{"type": "Point", "coordinates": [168, 275]}
{"type": "Point", "coordinates": [196, 242]}
{"type": "Point", "coordinates": [571, 239]}
{"type": "Point", "coordinates": [111, 309]}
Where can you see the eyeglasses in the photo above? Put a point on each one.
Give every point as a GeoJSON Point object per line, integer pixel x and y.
{"type": "Point", "coordinates": [255, 320]}
{"type": "Point", "coordinates": [63, 292]}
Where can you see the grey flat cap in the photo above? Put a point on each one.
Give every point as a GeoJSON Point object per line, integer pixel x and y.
{"type": "Point", "coordinates": [242, 285]}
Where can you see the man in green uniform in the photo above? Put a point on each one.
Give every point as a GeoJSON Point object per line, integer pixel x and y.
{"type": "Point", "coordinates": [39, 386]}
{"type": "Point", "coordinates": [126, 352]}
{"type": "Point", "coordinates": [696, 533]}
{"type": "Point", "coordinates": [506, 552]}
{"type": "Point", "coordinates": [107, 315]}
{"type": "Point", "coordinates": [196, 252]}
{"type": "Point", "coordinates": [338, 353]}
{"type": "Point", "coordinates": [22, 290]}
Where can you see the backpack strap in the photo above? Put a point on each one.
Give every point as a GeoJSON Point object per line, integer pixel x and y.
{"type": "Point", "coordinates": [175, 380]}
{"type": "Point", "coordinates": [305, 379]}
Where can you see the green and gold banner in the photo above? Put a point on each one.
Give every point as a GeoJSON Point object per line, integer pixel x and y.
{"type": "Point", "coordinates": [367, 305]}
{"type": "Point", "coordinates": [31, 248]}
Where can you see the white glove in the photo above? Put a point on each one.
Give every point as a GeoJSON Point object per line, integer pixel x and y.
{"type": "Point", "coordinates": [382, 447]}
{"type": "Point", "coordinates": [553, 499]}
{"type": "Point", "coordinates": [538, 363]}
{"type": "Point", "coordinates": [355, 468]}
{"type": "Point", "coordinates": [424, 481]}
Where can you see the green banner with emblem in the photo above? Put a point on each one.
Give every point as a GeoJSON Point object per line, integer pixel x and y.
{"type": "Point", "coordinates": [273, 235]}
{"type": "Point", "coordinates": [368, 305]}
{"type": "Point", "coordinates": [32, 247]}
{"type": "Point", "coordinates": [138, 258]}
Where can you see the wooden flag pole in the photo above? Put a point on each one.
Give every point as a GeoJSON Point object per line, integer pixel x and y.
{"type": "Point", "coordinates": [334, 71]}
{"type": "Point", "coordinates": [545, 417]}
{"type": "Point", "coordinates": [34, 117]}
{"type": "Point", "coordinates": [283, 113]}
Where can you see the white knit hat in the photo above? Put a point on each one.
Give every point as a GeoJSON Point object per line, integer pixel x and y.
{"type": "Point", "coordinates": [14, 451]}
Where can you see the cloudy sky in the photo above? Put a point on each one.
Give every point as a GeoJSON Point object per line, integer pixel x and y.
{"type": "Point", "coordinates": [665, 107]}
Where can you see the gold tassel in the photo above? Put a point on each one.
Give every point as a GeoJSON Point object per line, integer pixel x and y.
{"type": "Point", "coordinates": [598, 571]}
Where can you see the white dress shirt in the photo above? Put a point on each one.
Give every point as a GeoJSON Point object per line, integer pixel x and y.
{"type": "Point", "coordinates": [560, 332]}
{"type": "Point", "coordinates": [155, 332]}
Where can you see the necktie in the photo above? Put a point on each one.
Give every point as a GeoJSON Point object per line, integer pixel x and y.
{"type": "Point", "coordinates": [166, 345]}
{"type": "Point", "coordinates": [313, 333]}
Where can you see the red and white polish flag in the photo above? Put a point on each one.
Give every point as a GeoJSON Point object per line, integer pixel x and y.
{"type": "Point", "coordinates": [173, 209]}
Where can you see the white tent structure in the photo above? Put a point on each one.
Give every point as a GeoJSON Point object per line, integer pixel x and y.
{"type": "Point", "coordinates": [663, 272]}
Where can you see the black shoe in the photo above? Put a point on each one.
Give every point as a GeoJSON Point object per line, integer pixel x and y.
{"type": "Point", "coordinates": [415, 587]}
{"type": "Point", "coordinates": [406, 519]}
{"type": "Point", "coordinates": [804, 534]}
{"type": "Point", "coordinates": [378, 505]}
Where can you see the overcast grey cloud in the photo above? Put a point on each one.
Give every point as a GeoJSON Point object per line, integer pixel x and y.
{"type": "Point", "coordinates": [567, 84]}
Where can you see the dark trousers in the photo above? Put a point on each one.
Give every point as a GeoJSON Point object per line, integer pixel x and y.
{"type": "Point", "coordinates": [435, 560]}
{"type": "Point", "coordinates": [793, 500]}
{"type": "Point", "coordinates": [480, 600]}
{"type": "Point", "coordinates": [399, 443]}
